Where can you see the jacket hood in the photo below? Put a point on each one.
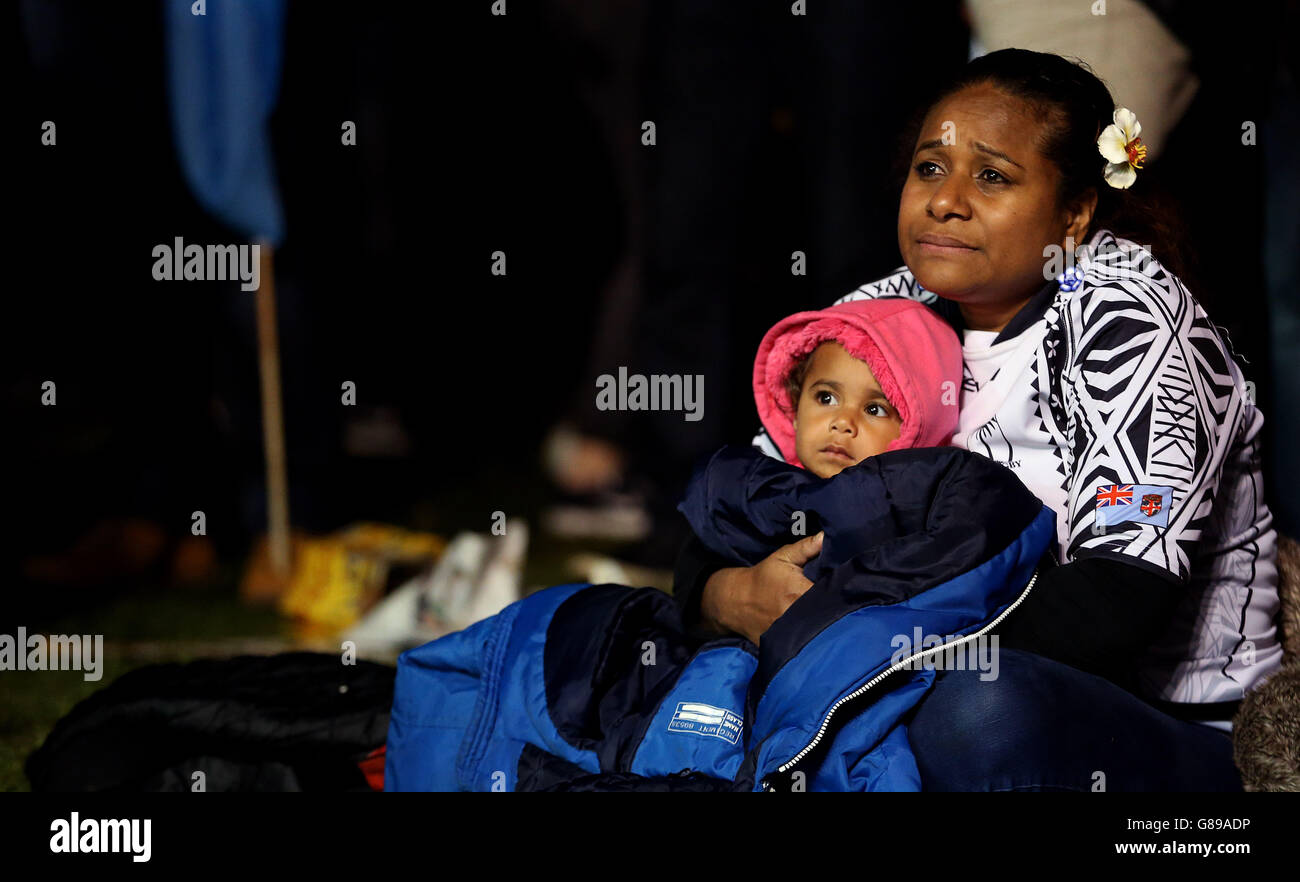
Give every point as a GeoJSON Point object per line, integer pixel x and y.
{"type": "Point", "coordinates": [914, 355]}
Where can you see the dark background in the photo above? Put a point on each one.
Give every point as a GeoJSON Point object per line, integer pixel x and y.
{"type": "Point", "coordinates": [475, 134]}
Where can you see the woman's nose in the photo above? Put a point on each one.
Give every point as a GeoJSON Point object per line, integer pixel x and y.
{"type": "Point", "coordinates": [949, 199]}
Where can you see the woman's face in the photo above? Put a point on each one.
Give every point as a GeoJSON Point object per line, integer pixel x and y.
{"type": "Point", "coordinates": [980, 205]}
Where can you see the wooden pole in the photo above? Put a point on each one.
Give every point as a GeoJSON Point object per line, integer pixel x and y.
{"type": "Point", "coordinates": [268, 361]}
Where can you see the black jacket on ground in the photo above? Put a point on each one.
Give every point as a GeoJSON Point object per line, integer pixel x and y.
{"type": "Point", "coordinates": [296, 721]}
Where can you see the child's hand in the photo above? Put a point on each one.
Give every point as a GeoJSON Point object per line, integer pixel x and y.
{"type": "Point", "coordinates": [748, 600]}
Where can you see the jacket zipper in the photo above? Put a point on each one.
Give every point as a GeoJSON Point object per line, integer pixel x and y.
{"type": "Point", "coordinates": [900, 665]}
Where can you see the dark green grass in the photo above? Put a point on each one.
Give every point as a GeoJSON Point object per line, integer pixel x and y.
{"type": "Point", "coordinates": [156, 623]}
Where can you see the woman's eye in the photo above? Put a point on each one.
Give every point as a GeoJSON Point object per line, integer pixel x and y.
{"type": "Point", "coordinates": [924, 169]}
{"type": "Point", "coordinates": [996, 179]}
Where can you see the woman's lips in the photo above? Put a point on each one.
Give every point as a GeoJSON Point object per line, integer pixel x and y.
{"type": "Point", "coordinates": [931, 248]}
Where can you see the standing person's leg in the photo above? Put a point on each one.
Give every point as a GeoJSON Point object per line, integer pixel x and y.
{"type": "Point", "coordinates": [1282, 273]}
{"type": "Point", "coordinates": [856, 81]}
{"type": "Point", "coordinates": [1042, 725]}
{"type": "Point", "coordinates": [707, 92]}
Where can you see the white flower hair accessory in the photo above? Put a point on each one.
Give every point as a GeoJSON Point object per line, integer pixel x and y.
{"type": "Point", "coordinates": [1123, 149]}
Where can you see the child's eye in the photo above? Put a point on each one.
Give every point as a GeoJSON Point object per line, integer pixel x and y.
{"type": "Point", "coordinates": [878, 410]}
{"type": "Point", "coordinates": [823, 397]}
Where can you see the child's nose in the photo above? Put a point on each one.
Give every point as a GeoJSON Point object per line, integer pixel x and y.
{"type": "Point", "coordinates": [844, 422]}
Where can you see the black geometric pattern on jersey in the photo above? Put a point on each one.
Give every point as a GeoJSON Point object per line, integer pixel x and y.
{"type": "Point", "coordinates": [899, 283]}
{"type": "Point", "coordinates": [1149, 377]}
{"type": "Point", "coordinates": [1055, 422]}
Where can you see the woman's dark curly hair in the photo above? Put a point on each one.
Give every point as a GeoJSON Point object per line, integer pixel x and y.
{"type": "Point", "coordinates": [1076, 107]}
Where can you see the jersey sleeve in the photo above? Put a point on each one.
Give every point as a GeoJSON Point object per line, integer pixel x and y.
{"type": "Point", "coordinates": [899, 283]}
{"type": "Point", "coordinates": [1153, 403]}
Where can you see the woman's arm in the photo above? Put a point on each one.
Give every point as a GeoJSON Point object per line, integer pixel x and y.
{"type": "Point", "coordinates": [1097, 614]}
{"type": "Point", "coordinates": [1155, 399]}
{"type": "Point", "coordinates": [716, 598]}
{"type": "Point", "coordinates": [1151, 403]}
{"type": "Point", "coordinates": [695, 565]}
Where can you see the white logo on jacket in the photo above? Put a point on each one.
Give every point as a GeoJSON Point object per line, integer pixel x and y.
{"type": "Point", "coordinates": [705, 719]}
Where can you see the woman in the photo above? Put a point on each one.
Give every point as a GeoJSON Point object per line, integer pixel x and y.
{"type": "Point", "coordinates": [1107, 390]}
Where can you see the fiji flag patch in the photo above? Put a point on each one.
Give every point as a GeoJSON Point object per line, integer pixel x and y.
{"type": "Point", "coordinates": [1136, 503]}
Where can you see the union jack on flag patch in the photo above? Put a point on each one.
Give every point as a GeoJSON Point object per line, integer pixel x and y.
{"type": "Point", "coordinates": [1115, 494]}
{"type": "Point", "coordinates": [1134, 503]}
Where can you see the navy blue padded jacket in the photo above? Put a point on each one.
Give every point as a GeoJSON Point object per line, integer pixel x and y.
{"type": "Point", "coordinates": [599, 687]}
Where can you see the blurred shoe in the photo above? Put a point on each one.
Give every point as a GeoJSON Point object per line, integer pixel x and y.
{"type": "Point", "coordinates": [613, 517]}
{"type": "Point", "coordinates": [110, 551]}
{"type": "Point", "coordinates": [261, 583]}
{"type": "Point", "coordinates": [582, 464]}
{"type": "Point", "coordinates": [194, 561]}
{"type": "Point", "coordinates": [377, 433]}
{"type": "Point", "coordinates": [599, 569]}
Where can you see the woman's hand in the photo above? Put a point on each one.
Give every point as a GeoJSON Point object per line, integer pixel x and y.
{"type": "Point", "coordinates": [747, 600]}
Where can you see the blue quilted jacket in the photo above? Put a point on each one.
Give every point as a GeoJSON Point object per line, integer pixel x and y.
{"type": "Point", "coordinates": [599, 687]}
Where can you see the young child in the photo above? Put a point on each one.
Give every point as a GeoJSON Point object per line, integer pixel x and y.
{"type": "Point", "coordinates": [838, 385]}
{"type": "Point", "coordinates": [834, 388]}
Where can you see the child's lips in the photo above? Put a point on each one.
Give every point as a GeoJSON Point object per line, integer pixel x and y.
{"type": "Point", "coordinates": [837, 451]}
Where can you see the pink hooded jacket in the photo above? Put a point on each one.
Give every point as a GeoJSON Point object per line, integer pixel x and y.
{"type": "Point", "coordinates": [914, 355]}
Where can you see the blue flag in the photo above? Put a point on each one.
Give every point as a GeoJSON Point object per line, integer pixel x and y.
{"type": "Point", "coordinates": [223, 71]}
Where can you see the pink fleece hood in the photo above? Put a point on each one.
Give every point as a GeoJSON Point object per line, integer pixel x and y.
{"type": "Point", "coordinates": [912, 352]}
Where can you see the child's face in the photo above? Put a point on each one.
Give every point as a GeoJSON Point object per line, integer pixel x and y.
{"type": "Point", "coordinates": [842, 416]}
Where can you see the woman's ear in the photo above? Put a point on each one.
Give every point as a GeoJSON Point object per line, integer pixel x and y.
{"type": "Point", "coordinates": [1078, 216]}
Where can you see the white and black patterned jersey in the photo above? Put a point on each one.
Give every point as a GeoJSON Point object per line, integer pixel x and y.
{"type": "Point", "coordinates": [1118, 404]}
